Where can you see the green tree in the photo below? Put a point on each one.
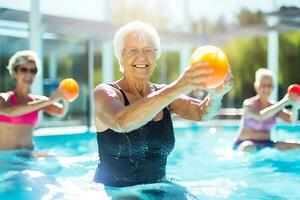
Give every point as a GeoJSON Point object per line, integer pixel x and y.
{"type": "Point", "coordinates": [246, 18]}
{"type": "Point", "coordinates": [245, 55]}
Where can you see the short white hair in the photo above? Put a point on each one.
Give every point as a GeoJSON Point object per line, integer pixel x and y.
{"type": "Point", "coordinates": [260, 73]}
{"type": "Point", "coordinates": [140, 28]}
{"type": "Point", "coordinates": [22, 57]}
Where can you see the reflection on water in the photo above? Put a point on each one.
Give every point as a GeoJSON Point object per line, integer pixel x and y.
{"type": "Point", "coordinates": [202, 166]}
{"type": "Point", "coordinates": [62, 177]}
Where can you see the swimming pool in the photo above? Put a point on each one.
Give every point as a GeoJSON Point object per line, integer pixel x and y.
{"type": "Point", "coordinates": [202, 166]}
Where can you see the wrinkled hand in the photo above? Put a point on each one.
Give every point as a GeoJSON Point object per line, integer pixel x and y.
{"type": "Point", "coordinates": [196, 75]}
{"type": "Point", "coordinates": [223, 88]}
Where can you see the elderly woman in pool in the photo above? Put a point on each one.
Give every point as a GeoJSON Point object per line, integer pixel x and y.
{"type": "Point", "coordinates": [19, 109]}
{"type": "Point", "coordinates": [260, 116]}
{"type": "Point", "coordinates": [133, 116]}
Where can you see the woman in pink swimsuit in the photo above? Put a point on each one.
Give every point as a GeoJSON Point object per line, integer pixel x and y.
{"type": "Point", "coordinates": [19, 109]}
{"type": "Point", "coordinates": [260, 116]}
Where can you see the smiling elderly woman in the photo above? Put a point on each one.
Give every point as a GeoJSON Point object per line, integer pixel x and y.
{"type": "Point", "coordinates": [133, 116]}
{"type": "Point", "coordinates": [260, 116]}
{"type": "Point", "coordinates": [19, 109]}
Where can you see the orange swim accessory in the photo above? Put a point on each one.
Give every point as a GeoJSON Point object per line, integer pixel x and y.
{"type": "Point", "coordinates": [216, 59]}
{"type": "Point", "coordinates": [71, 87]}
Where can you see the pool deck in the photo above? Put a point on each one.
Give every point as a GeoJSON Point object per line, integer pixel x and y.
{"type": "Point", "coordinates": [67, 130]}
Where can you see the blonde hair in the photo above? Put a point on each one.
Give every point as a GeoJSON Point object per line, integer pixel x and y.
{"type": "Point", "coordinates": [142, 29]}
{"type": "Point", "coordinates": [260, 73]}
{"type": "Point", "coordinates": [22, 57]}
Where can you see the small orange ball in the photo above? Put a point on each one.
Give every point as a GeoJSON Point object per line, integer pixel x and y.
{"type": "Point", "coordinates": [216, 60]}
{"type": "Point", "coordinates": [71, 87]}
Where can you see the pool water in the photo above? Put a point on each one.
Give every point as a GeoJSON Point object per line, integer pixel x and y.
{"type": "Point", "coordinates": [202, 166]}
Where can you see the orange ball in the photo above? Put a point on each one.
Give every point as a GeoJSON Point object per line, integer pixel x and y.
{"type": "Point", "coordinates": [216, 60]}
{"type": "Point", "coordinates": [71, 87]}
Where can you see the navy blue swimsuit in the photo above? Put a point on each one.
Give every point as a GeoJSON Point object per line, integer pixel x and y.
{"type": "Point", "coordinates": [136, 157]}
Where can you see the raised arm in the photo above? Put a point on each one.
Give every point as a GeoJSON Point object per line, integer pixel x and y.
{"type": "Point", "coordinates": [114, 115]}
{"type": "Point", "coordinates": [49, 105]}
{"type": "Point", "coordinates": [291, 116]}
{"type": "Point", "coordinates": [194, 109]}
{"type": "Point", "coordinates": [7, 109]}
{"type": "Point", "coordinates": [111, 112]}
{"type": "Point", "coordinates": [267, 112]}
{"type": "Point", "coordinates": [56, 108]}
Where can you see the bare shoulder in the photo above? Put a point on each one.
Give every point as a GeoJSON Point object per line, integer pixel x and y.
{"type": "Point", "coordinates": [107, 100]}
{"type": "Point", "coordinates": [104, 91]}
{"type": "Point", "coordinates": [249, 102]}
{"type": "Point", "coordinates": [273, 102]}
{"type": "Point", "coordinates": [4, 97]}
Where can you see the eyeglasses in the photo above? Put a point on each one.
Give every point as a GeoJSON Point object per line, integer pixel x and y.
{"type": "Point", "coordinates": [136, 51]}
{"type": "Point", "coordinates": [24, 70]}
{"type": "Point", "coordinates": [266, 85]}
